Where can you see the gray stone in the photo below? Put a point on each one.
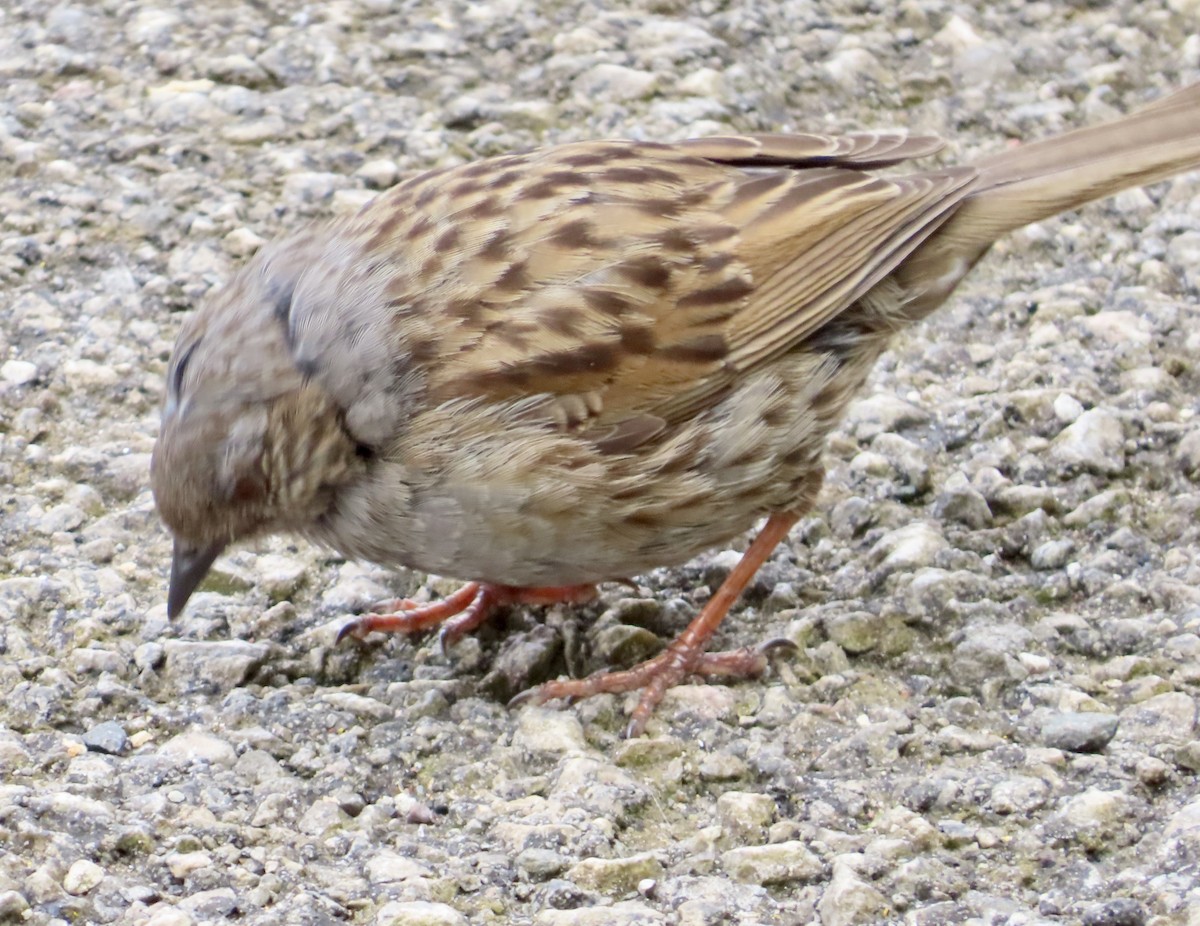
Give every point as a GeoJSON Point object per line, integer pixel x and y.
{"type": "Point", "coordinates": [213, 667]}
{"type": "Point", "coordinates": [745, 816]}
{"type": "Point", "coordinates": [211, 905]}
{"type": "Point", "coordinates": [1082, 732]}
{"type": "Point", "coordinates": [108, 737]}
{"type": "Point", "coordinates": [1053, 554]}
{"type": "Point", "coordinates": [1187, 453]}
{"type": "Point", "coordinates": [848, 900]}
{"type": "Point", "coordinates": [1122, 911]}
{"type": "Point", "coordinates": [777, 863]}
{"type": "Point", "coordinates": [1018, 795]}
{"type": "Point", "coordinates": [958, 501]}
{"type": "Point", "coordinates": [879, 413]}
{"type": "Point", "coordinates": [615, 876]}
{"type": "Point", "coordinates": [856, 632]}
{"type": "Point", "coordinates": [625, 913]}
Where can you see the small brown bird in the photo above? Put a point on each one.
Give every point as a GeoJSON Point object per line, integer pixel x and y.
{"type": "Point", "coordinates": [552, 369]}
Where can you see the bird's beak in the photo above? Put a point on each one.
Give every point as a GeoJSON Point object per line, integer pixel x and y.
{"type": "Point", "coordinates": [189, 565]}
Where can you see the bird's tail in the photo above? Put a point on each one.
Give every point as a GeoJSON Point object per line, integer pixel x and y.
{"type": "Point", "coordinates": [1041, 179]}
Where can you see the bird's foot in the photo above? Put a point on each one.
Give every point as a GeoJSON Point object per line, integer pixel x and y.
{"type": "Point", "coordinates": [655, 676]}
{"type": "Point", "coordinates": [459, 613]}
{"type": "Point", "coordinates": [685, 656]}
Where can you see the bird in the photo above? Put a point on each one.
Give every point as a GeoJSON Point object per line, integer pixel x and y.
{"type": "Point", "coordinates": [570, 365]}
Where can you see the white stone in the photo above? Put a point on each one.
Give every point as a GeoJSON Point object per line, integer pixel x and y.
{"type": "Point", "coordinates": [612, 82]}
{"type": "Point", "coordinates": [181, 864]}
{"type": "Point", "coordinates": [418, 913]}
{"type": "Point", "coordinates": [196, 746]}
{"type": "Point", "coordinates": [18, 372]}
{"type": "Point", "coordinates": [1067, 408]}
{"type": "Point", "coordinates": [82, 876]}
{"type": "Point", "coordinates": [540, 730]}
{"type": "Point", "coordinates": [1095, 441]}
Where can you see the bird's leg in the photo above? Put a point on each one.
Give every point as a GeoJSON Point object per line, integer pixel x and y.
{"type": "Point", "coordinates": [685, 656]}
{"type": "Point", "coordinates": [460, 612]}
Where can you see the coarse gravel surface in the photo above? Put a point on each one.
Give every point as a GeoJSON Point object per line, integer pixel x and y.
{"type": "Point", "coordinates": [991, 715]}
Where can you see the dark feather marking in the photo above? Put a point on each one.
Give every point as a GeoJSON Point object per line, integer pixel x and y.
{"type": "Point", "coordinates": [714, 233]}
{"type": "Point", "coordinates": [625, 436]}
{"type": "Point", "coordinates": [592, 358]}
{"type": "Point", "coordinates": [640, 174]}
{"type": "Point", "coordinates": [505, 179]}
{"type": "Point", "coordinates": [841, 336]}
{"type": "Point", "coordinates": [617, 151]}
{"type": "Point", "coordinates": [551, 182]}
{"type": "Point", "coordinates": [469, 310]}
{"type": "Point", "coordinates": [646, 271]}
{"type": "Point", "coordinates": [497, 247]}
{"type": "Point", "coordinates": [419, 350]}
{"type": "Point", "coordinates": [590, 158]}
{"type": "Point", "coordinates": [417, 179]}
{"type": "Point", "coordinates": [717, 262]}
{"type": "Point", "coordinates": [666, 207]}
{"type": "Point", "coordinates": [510, 377]}
{"type": "Point", "coordinates": [760, 187]}
{"type": "Point", "coordinates": [432, 266]}
{"type": "Point", "coordinates": [706, 348]}
{"type": "Point", "coordinates": [565, 177]}
{"type": "Point", "coordinates": [486, 208]}
{"type": "Point", "coordinates": [517, 337]}
{"type": "Point", "coordinates": [514, 278]}
{"type": "Point", "coordinates": [478, 169]}
{"type": "Point", "coordinates": [465, 189]}
{"type": "Point", "coordinates": [800, 456]}
{"type": "Point", "coordinates": [575, 235]}
{"type": "Point", "coordinates": [181, 364]}
{"type": "Point", "coordinates": [419, 229]}
{"type": "Point", "coordinates": [280, 291]}
{"type": "Point", "coordinates": [675, 239]}
{"type": "Point", "coordinates": [733, 289]}
{"type": "Point", "coordinates": [775, 417]}
{"type": "Point", "coordinates": [638, 339]}
{"type": "Point", "coordinates": [563, 320]}
{"type": "Point", "coordinates": [603, 300]}
{"type": "Point", "coordinates": [386, 229]}
{"type": "Point", "coordinates": [448, 239]}
{"type": "Point", "coordinates": [644, 519]}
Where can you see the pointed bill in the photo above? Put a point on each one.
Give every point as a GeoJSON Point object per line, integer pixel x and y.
{"type": "Point", "coordinates": [189, 566]}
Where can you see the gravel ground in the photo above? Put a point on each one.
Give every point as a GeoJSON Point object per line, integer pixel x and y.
{"type": "Point", "coordinates": [991, 716]}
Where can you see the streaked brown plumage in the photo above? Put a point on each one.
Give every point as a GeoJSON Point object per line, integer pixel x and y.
{"type": "Point", "coordinates": [548, 370]}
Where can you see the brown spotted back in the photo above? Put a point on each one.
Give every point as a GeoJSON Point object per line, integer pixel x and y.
{"type": "Point", "coordinates": [687, 265]}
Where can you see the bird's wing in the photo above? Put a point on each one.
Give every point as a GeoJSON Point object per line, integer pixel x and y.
{"type": "Point", "coordinates": [625, 284]}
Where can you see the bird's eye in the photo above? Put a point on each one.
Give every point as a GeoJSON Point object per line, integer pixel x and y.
{"type": "Point", "coordinates": [181, 368]}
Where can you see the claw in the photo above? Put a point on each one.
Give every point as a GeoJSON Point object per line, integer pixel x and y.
{"type": "Point", "coordinates": [349, 629]}
{"type": "Point", "coordinates": [522, 698]}
{"type": "Point", "coordinates": [776, 646]}
{"type": "Point", "coordinates": [452, 632]}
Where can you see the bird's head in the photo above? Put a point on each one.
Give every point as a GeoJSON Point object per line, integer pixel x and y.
{"type": "Point", "coordinates": [248, 445]}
